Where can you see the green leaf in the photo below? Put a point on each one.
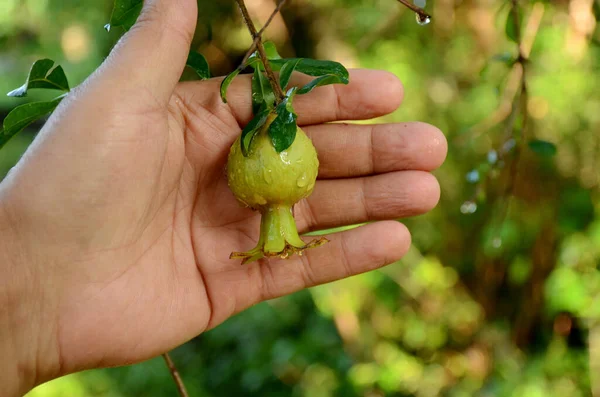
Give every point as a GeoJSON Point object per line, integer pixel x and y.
{"type": "Point", "coordinates": [225, 84]}
{"type": "Point", "coordinates": [319, 81]}
{"type": "Point", "coordinates": [197, 62]}
{"type": "Point", "coordinates": [314, 67]}
{"type": "Point", "coordinates": [282, 130]}
{"type": "Point", "coordinates": [125, 13]}
{"type": "Point", "coordinates": [21, 116]}
{"type": "Point", "coordinates": [262, 92]}
{"type": "Point", "coordinates": [41, 75]}
{"type": "Point", "coordinates": [252, 128]}
{"type": "Point", "coordinates": [511, 27]}
{"type": "Point", "coordinates": [286, 72]}
{"type": "Point", "coordinates": [271, 50]}
{"type": "Point", "coordinates": [542, 148]}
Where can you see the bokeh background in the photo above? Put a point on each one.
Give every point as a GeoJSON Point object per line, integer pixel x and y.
{"type": "Point", "coordinates": [500, 293]}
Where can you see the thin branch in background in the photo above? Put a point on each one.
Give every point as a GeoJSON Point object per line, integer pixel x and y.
{"type": "Point", "coordinates": [513, 82]}
{"type": "Point", "coordinates": [279, 95]}
{"type": "Point", "coordinates": [176, 377]}
{"type": "Point", "coordinates": [525, 39]}
{"type": "Point", "coordinates": [423, 16]}
{"type": "Point", "coordinates": [516, 106]}
{"type": "Point", "coordinates": [259, 34]}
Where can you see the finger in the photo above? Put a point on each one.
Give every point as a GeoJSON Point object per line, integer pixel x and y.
{"type": "Point", "coordinates": [152, 55]}
{"type": "Point", "coordinates": [350, 201]}
{"type": "Point", "coordinates": [357, 150]}
{"type": "Point", "coordinates": [370, 93]}
{"type": "Point", "coordinates": [348, 253]}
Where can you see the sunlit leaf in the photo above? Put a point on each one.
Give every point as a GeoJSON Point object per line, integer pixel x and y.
{"type": "Point", "coordinates": [21, 116]}
{"type": "Point", "coordinates": [125, 13]}
{"type": "Point", "coordinates": [252, 128]}
{"type": "Point", "coordinates": [271, 50]}
{"type": "Point", "coordinates": [225, 83]}
{"type": "Point", "coordinates": [197, 62]}
{"type": "Point", "coordinates": [542, 148]}
{"type": "Point", "coordinates": [282, 130]}
{"type": "Point", "coordinates": [41, 75]}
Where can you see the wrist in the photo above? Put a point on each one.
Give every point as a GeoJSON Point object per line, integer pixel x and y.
{"type": "Point", "coordinates": [24, 326]}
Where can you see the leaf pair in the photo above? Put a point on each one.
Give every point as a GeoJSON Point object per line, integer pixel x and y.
{"type": "Point", "coordinates": [41, 76]}
{"type": "Point", "coordinates": [282, 129]}
{"type": "Point", "coordinates": [327, 72]}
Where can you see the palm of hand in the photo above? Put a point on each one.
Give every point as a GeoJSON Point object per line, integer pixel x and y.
{"type": "Point", "coordinates": [141, 222]}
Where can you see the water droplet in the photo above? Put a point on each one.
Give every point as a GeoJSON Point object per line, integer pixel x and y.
{"type": "Point", "coordinates": [492, 156]}
{"type": "Point", "coordinates": [497, 242]}
{"type": "Point", "coordinates": [473, 176]}
{"type": "Point", "coordinates": [268, 175]}
{"type": "Point", "coordinates": [420, 3]}
{"type": "Point", "coordinates": [107, 27]}
{"type": "Point", "coordinates": [284, 157]}
{"type": "Point", "coordinates": [302, 181]}
{"type": "Point", "coordinates": [311, 186]}
{"type": "Point", "coordinates": [422, 20]}
{"type": "Point", "coordinates": [508, 145]}
{"type": "Point", "coordinates": [468, 207]}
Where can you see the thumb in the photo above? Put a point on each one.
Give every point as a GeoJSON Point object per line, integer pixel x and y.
{"type": "Point", "coordinates": [152, 55]}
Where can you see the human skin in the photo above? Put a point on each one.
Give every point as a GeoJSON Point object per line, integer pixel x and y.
{"type": "Point", "coordinates": [117, 223]}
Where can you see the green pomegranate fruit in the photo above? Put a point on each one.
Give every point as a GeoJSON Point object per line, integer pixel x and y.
{"type": "Point", "coordinates": [271, 183]}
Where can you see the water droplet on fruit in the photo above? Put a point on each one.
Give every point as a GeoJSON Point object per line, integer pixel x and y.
{"type": "Point", "coordinates": [107, 27]}
{"type": "Point", "coordinates": [468, 207]}
{"type": "Point", "coordinates": [302, 181]}
{"type": "Point", "coordinates": [267, 174]}
{"type": "Point", "coordinates": [284, 157]}
{"type": "Point", "coordinates": [422, 20]}
{"type": "Point", "coordinates": [311, 186]}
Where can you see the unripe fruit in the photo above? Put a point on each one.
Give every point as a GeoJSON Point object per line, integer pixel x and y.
{"type": "Point", "coordinates": [272, 183]}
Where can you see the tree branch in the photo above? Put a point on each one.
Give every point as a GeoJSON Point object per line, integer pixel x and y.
{"type": "Point", "coordinates": [256, 36]}
{"type": "Point", "coordinates": [176, 377]}
{"type": "Point", "coordinates": [423, 16]}
{"type": "Point", "coordinates": [259, 34]}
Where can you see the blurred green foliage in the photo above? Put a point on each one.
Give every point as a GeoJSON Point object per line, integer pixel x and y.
{"type": "Point", "coordinates": [500, 294]}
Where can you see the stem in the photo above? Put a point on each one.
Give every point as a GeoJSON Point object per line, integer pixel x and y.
{"type": "Point", "coordinates": [278, 236]}
{"type": "Point", "coordinates": [279, 95]}
{"type": "Point", "coordinates": [259, 34]}
{"type": "Point", "coordinates": [421, 12]}
{"type": "Point", "coordinates": [176, 377]}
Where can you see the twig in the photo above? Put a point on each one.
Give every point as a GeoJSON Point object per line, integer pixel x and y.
{"type": "Point", "coordinates": [519, 106]}
{"type": "Point", "coordinates": [259, 34]}
{"type": "Point", "coordinates": [511, 88]}
{"type": "Point", "coordinates": [176, 377]}
{"type": "Point", "coordinates": [279, 95]}
{"type": "Point", "coordinates": [423, 16]}
{"type": "Point", "coordinates": [516, 107]}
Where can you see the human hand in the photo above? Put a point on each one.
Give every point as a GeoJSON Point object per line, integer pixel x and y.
{"type": "Point", "coordinates": [121, 221]}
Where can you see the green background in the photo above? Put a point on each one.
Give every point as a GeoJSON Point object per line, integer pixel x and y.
{"type": "Point", "coordinates": [503, 301]}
